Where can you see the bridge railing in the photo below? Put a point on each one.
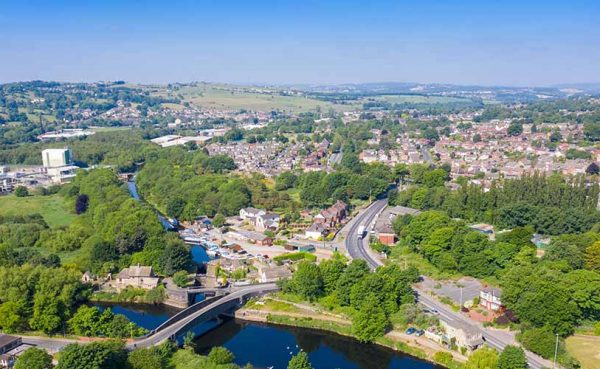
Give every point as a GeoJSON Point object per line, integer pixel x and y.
{"type": "Point", "coordinates": [185, 313]}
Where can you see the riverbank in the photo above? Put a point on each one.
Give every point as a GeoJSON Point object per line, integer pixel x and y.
{"type": "Point", "coordinates": [278, 312]}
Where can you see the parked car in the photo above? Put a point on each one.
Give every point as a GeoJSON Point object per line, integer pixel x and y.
{"type": "Point", "coordinates": [419, 332]}
{"type": "Point", "coordinates": [411, 330]}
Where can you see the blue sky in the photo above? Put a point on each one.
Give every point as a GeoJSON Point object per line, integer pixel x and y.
{"type": "Point", "coordinates": [485, 42]}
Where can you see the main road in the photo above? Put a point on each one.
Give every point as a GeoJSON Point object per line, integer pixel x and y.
{"type": "Point", "coordinates": [358, 248]}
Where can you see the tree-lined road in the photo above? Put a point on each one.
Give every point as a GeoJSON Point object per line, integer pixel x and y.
{"type": "Point", "coordinates": [358, 248]}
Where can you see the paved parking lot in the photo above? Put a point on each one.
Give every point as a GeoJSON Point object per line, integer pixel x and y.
{"type": "Point", "coordinates": [451, 289]}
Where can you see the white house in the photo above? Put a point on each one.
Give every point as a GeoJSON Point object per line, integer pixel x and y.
{"type": "Point", "coordinates": [260, 219]}
{"type": "Point", "coordinates": [489, 298]}
{"type": "Point", "coordinates": [251, 213]}
{"type": "Point", "coordinates": [315, 231]}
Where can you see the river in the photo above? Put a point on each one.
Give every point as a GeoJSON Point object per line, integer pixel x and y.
{"type": "Point", "coordinates": [265, 345]}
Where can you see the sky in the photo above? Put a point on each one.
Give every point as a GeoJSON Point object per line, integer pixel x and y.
{"type": "Point", "coordinates": [486, 42]}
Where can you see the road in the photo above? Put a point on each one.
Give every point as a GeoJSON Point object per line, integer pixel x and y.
{"type": "Point", "coordinates": [177, 327]}
{"type": "Point", "coordinates": [358, 248]}
{"type": "Point", "coordinates": [49, 344]}
{"type": "Point", "coordinates": [426, 154]}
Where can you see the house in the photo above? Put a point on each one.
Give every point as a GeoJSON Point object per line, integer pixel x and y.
{"type": "Point", "coordinates": [272, 273]}
{"type": "Point", "coordinates": [332, 215]}
{"type": "Point", "coordinates": [87, 277]}
{"type": "Point", "coordinates": [315, 231]}
{"type": "Point", "coordinates": [7, 345]}
{"type": "Point", "coordinates": [252, 237]}
{"type": "Point", "coordinates": [267, 221]}
{"type": "Point", "coordinates": [463, 334]}
{"type": "Point", "coordinates": [250, 213]}
{"type": "Point", "coordinates": [137, 277]}
{"type": "Point", "coordinates": [260, 219]}
{"type": "Point", "coordinates": [489, 298]}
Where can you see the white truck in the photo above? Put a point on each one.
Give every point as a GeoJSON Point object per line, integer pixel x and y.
{"type": "Point", "coordinates": [361, 231]}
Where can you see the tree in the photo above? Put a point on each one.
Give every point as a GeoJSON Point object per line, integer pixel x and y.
{"type": "Point", "coordinates": [300, 361]}
{"type": "Point", "coordinates": [308, 281]}
{"type": "Point", "coordinates": [370, 321]}
{"type": "Point", "coordinates": [555, 136]}
{"type": "Point", "coordinates": [188, 340]}
{"type": "Point", "coordinates": [512, 357]}
{"type": "Point", "coordinates": [568, 252]}
{"type": "Point", "coordinates": [34, 358]}
{"type": "Point", "coordinates": [221, 356]}
{"type": "Point", "coordinates": [331, 271]}
{"type": "Point", "coordinates": [541, 341]}
{"type": "Point", "coordinates": [148, 358]}
{"type": "Point", "coordinates": [85, 321]}
{"type": "Point", "coordinates": [11, 316]}
{"type": "Point", "coordinates": [96, 355]}
{"type": "Point", "coordinates": [180, 278]}
{"type": "Point", "coordinates": [515, 129]}
{"type": "Point", "coordinates": [483, 358]}
{"type": "Point", "coordinates": [174, 257]}
{"type": "Point", "coordinates": [592, 257]}
{"type": "Point", "coordinates": [593, 169]}
{"type": "Point", "coordinates": [355, 271]}
{"type": "Point", "coordinates": [175, 207]}
{"type": "Point", "coordinates": [81, 204]}
{"type": "Point", "coordinates": [21, 191]}
{"type": "Point", "coordinates": [218, 220]}
{"type": "Point", "coordinates": [285, 180]}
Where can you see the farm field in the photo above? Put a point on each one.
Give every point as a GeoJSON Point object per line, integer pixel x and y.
{"type": "Point", "coordinates": [586, 349]}
{"type": "Point", "coordinates": [53, 208]}
{"type": "Point", "coordinates": [420, 99]}
{"type": "Point", "coordinates": [226, 97]}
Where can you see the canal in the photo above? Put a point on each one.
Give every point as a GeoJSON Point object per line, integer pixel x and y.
{"type": "Point", "coordinates": [265, 345]}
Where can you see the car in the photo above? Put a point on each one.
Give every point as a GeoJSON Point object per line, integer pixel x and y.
{"type": "Point", "coordinates": [419, 332]}
{"type": "Point", "coordinates": [435, 312]}
{"type": "Point", "coordinates": [410, 330]}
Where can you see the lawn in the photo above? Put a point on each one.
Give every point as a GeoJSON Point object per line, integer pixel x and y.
{"type": "Point", "coordinates": [54, 208]}
{"type": "Point", "coordinates": [586, 349]}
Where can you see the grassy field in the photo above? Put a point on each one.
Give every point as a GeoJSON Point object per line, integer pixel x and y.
{"type": "Point", "coordinates": [586, 349]}
{"type": "Point", "coordinates": [419, 99]}
{"type": "Point", "coordinates": [228, 97]}
{"type": "Point", "coordinates": [53, 208]}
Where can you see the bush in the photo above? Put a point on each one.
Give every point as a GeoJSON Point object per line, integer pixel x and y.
{"type": "Point", "coordinates": [21, 191]}
{"type": "Point", "coordinates": [180, 278]}
{"type": "Point", "coordinates": [296, 256]}
{"type": "Point", "coordinates": [443, 357]}
{"type": "Point", "coordinates": [540, 341]}
{"type": "Point", "coordinates": [221, 356]}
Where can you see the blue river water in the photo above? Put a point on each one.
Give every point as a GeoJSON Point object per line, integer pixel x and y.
{"type": "Point", "coordinates": [267, 346]}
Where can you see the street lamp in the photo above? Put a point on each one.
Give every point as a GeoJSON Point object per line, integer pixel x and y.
{"type": "Point", "coordinates": [555, 351]}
